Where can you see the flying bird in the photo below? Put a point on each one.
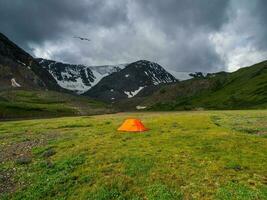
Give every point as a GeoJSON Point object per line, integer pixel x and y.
{"type": "Point", "coordinates": [82, 38]}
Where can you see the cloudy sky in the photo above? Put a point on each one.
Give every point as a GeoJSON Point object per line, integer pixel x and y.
{"type": "Point", "coordinates": [182, 35]}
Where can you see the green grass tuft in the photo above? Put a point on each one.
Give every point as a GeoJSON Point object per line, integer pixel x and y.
{"type": "Point", "coordinates": [162, 192]}
{"type": "Point", "coordinates": [235, 191]}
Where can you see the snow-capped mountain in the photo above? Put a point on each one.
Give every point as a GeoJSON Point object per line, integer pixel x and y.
{"type": "Point", "coordinates": [131, 81]}
{"type": "Point", "coordinates": [108, 82]}
{"type": "Point", "coordinates": [77, 78]}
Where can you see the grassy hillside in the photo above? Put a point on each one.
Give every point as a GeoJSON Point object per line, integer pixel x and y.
{"type": "Point", "coordinates": [185, 155]}
{"type": "Point", "coordinates": [37, 104]}
{"type": "Point", "coordinates": [243, 89]}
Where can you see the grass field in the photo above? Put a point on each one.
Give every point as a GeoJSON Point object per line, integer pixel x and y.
{"type": "Point", "coordinates": [185, 155]}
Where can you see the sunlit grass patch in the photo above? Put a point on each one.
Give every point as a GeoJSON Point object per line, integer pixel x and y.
{"type": "Point", "coordinates": [236, 191]}
{"type": "Point", "coordinates": [137, 166]}
{"type": "Point", "coordinates": [162, 192]}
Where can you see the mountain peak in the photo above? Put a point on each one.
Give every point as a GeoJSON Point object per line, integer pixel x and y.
{"type": "Point", "coordinates": [152, 71]}
{"type": "Point", "coordinates": [144, 63]}
{"type": "Point", "coordinates": [131, 81]}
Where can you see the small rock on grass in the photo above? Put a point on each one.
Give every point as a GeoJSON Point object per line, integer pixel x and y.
{"type": "Point", "coordinates": [23, 160]}
{"type": "Point", "coordinates": [49, 153]}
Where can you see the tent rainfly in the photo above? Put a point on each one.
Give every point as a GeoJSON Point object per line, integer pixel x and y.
{"type": "Point", "coordinates": [132, 125]}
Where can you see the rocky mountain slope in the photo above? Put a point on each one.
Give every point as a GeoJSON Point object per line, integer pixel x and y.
{"type": "Point", "coordinates": [18, 69]}
{"type": "Point", "coordinates": [141, 77]}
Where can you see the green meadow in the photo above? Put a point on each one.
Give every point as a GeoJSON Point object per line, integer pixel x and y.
{"type": "Point", "coordinates": [185, 155]}
{"type": "Point", "coordinates": [25, 104]}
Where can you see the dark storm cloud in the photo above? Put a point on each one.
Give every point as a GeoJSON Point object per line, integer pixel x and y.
{"type": "Point", "coordinates": [261, 12]}
{"type": "Point", "coordinates": [175, 33]}
{"type": "Point", "coordinates": [185, 22]}
{"type": "Point", "coordinates": [209, 14]}
{"type": "Point", "coordinates": [255, 25]}
{"type": "Point", "coordinates": [37, 21]}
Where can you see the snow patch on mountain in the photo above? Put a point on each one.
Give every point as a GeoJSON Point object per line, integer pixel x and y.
{"type": "Point", "coordinates": [77, 86]}
{"type": "Point", "coordinates": [14, 83]}
{"type": "Point", "coordinates": [20, 62]}
{"type": "Point", "coordinates": [133, 93]}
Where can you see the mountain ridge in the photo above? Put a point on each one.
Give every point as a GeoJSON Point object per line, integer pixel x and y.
{"type": "Point", "coordinates": [245, 88]}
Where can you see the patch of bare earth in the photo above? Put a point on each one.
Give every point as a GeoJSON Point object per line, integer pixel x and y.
{"type": "Point", "coordinates": [7, 183]}
{"type": "Point", "coordinates": [16, 151]}
{"type": "Point", "coordinates": [20, 153]}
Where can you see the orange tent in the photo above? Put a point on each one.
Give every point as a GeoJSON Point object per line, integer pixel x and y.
{"type": "Point", "coordinates": [132, 125]}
